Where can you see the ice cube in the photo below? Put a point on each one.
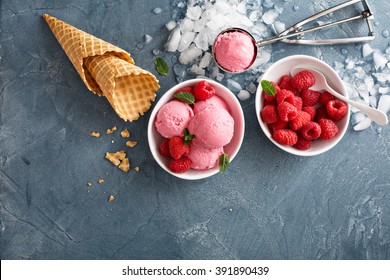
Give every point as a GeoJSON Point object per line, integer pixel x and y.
{"type": "Point", "coordinates": [254, 16]}
{"type": "Point", "coordinates": [246, 21]}
{"type": "Point", "coordinates": [206, 59]}
{"type": "Point", "coordinates": [268, 3]}
{"type": "Point", "coordinates": [170, 25]}
{"type": "Point", "coordinates": [220, 77]}
{"type": "Point", "coordinates": [243, 94]}
{"type": "Point", "coordinates": [202, 39]}
{"type": "Point", "coordinates": [241, 8]}
{"type": "Point", "coordinates": [367, 50]}
{"type": "Point", "coordinates": [200, 24]}
{"type": "Point", "coordinates": [372, 101]}
{"type": "Point", "coordinates": [384, 90]}
{"type": "Point", "coordinates": [270, 16]}
{"type": "Point", "coordinates": [147, 38]}
{"type": "Point", "coordinates": [357, 117]}
{"type": "Point", "coordinates": [190, 54]}
{"type": "Point", "coordinates": [222, 7]}
{"type": "Point", "coordinates": [179, 69]}
{"type": "Point", "coordinates": [279, 27]}
{"type": "Point", "coordinates": [194, 12]}
{"type": "Point", "coordinates": [157, 10]}
{"type": "Point", "coordinates": [263, 56]}
{"type": "Point", "coordinates": [384, 103]}
{"type": "Point", "coordinates": [173, 40]}
{"type": "Point", "coordinates": [369, 81]}
{"type": "Point", "coordinates": [186, 25]}
{"type": "Point", "coordinates": [233, 85]}
{"type": "Point", "coordinates": [197, 70]}
{"type": "Point", "coordinates": [186, 39]}
{"type": "Point", "coordinates": [363, 124]}
{"type": "Point", "coordinates": [379, 60]}
{"type": "Point", "coordinates": [251, 87]}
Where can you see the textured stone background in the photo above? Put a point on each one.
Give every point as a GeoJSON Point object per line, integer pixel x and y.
{"type": "Point", "coordinates": [332, 206]}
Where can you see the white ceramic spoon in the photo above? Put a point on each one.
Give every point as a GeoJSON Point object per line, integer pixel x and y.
{"type": "Point", "coordinates": [374, 114]}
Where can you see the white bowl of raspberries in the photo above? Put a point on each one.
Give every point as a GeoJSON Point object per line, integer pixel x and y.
{"type": "Point", "coordinates": [196, 129]}
{"type": "Point", "coordinates": [295, 118]}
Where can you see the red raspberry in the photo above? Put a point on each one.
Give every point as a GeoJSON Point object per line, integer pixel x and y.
{"type": "Point", "coordinates": [298, 103]}
{"type": "Point", "coordinates": [278, 125]}
{"type": "Point", "coordinates": [302, 143]}
{"type": "Point", "coordinates": [321, 113]}
{"type": "Point", "coordinates": [285, 96]}
{"type": "Point", "coordinates": [203, 90]}
{"type": "Point", "coordinates": [310, 97]}
{"type": "Point", "coordinates": [303, 80]}
{"type": "Point", "coordinates": [311, 131]}
{"type": "Point", "coordinates": [164, 148]}
{"type": "Point", "coordinates": [285, 137]}
{"type": "Point", "coordinates": [177, 149]}
{"type": "Point", "coordinates": [325, 97]}
{"type": "Point", "coordinates": [268, 114]}
{"type": "Point", "coordinates": [284, 83]}
{"type": "Point", "coordinates": [269, 97]}
{"type": "Point", "coordinates": [273, 102]}
{"type": "Point", "coordinates": [311, 110]}
{"type": "Point", "coordinates": [185, 89]}
{"type": "Point", "coordinates": [336, 109]}
{"type": "Point", "coordinates": [328, 129]}
{"type": "Point", "coordinates": [180, 165]}
{"type": "Point", "coordinates": [301, 119]}
{"type": "Point", "coordinates": [287, 111]}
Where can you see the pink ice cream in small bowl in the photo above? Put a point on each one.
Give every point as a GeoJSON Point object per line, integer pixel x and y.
{"type": "Point", "coordinates": [217, 124]}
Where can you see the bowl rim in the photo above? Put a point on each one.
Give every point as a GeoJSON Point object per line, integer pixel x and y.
{"type": "Point", "coordinates": [168, 96]}
{"type": "Point", "coordinates": [341, 88]}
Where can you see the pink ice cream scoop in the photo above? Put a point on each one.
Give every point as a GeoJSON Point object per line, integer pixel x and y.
{"type": "Point", "coordinates": [204, 158]}
{"type": "Point", "coordinates": [214, 101]}
{"type": "Point", "coordinates": [235, 50]}
{"type": "Point", "coordinates": [173, 118]}
{"type": "Point", "coordinates": [213, 128]}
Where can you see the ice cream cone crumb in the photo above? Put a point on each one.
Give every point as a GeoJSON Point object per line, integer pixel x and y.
{"type": "Point", "coordinates": [125, 133]}
{"type": "Point", "coordinates": [111, 198]}
{"type": "Point", "coordinates": [116, 158]}
{"type": "Point", "coordinates": [111, 130]}
{"type": "Point", "coordinates": [125, 165]}
{"type": "Point", "coordinates": [89, 184]}
{"type": "Point", "coordinates": [136, 168]}
{"type": "Point", "coordinates": [95, 134]}
{"type": "Point", "coordinates": [100, 181]}
{"type": "Point", "coordinates": [131, 143]}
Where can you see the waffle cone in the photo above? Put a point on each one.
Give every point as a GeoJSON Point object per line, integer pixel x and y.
{"type": "Point", "coordinates": [129, 89]}
{"type": "Point", "coordinates": [107, 70]}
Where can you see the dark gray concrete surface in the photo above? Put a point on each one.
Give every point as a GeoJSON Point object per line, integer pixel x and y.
{"type": "Point", "coordinates": [268, 205]}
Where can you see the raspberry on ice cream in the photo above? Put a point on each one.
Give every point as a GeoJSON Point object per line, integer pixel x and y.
{"type": "Point", "coordinates": [213, 128]}
{"type": "Point", "coordinates": [173, 118]}
{"type": "Point", "coordinates": [204, 158]}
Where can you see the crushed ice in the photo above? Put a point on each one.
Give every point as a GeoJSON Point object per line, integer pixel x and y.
{"type": "Point", "coordinates": [195, 24]}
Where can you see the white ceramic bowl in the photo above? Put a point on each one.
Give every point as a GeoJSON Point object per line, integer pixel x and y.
{"type": "Point", "coordinates": [155, 139]}
{"type": "Point", "coordinates": [283, 67]}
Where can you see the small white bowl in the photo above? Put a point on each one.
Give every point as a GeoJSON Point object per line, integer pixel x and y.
{"type": "Point", "coordinates": [283, 67]}
{"type": "Point", "coordinates": [155, 139]}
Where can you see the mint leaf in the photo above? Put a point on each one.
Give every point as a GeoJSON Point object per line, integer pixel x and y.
{"type": "Point", "coordinates": [268, 87]}
{"type": "Point", "coordinates": [224, 162]}
{"type": "Point", "coordinates": [188, 137]}
{"type": "Point", "coordinates": [161, 66]}
{"type": "Point", "coordinates": [185, 97]}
